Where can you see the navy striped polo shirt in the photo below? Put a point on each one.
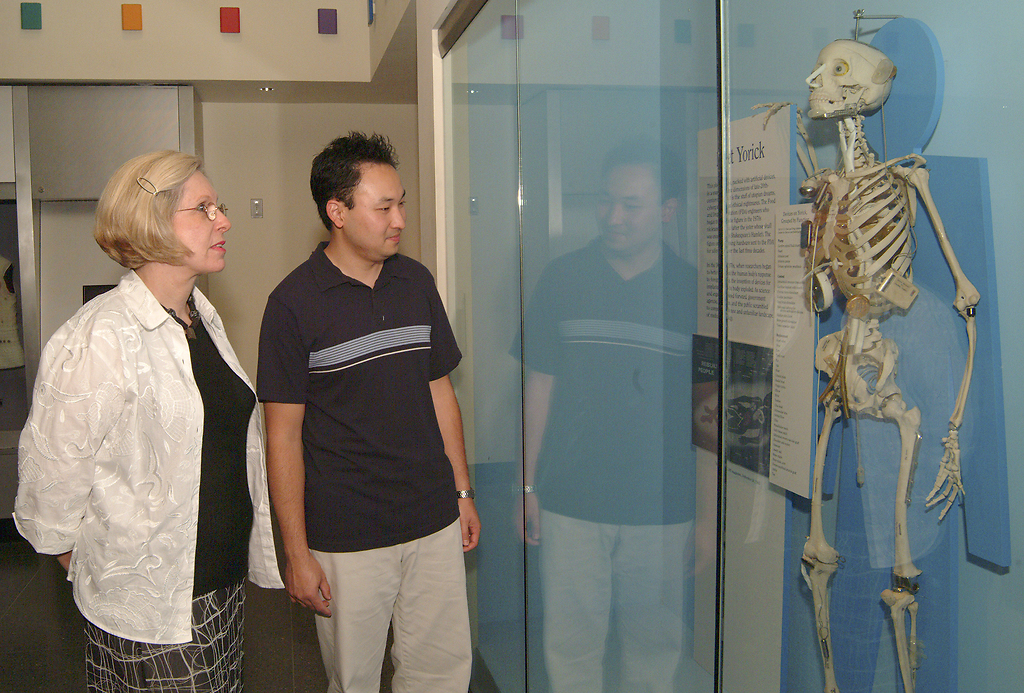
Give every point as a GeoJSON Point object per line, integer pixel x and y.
{"type": "Point", "coordinates": [361, 360]}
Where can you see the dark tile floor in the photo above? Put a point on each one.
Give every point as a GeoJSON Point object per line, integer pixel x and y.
{"type": "Point", "coordinates": [41, 638]}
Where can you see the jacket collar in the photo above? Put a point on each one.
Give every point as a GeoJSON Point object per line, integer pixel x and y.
{"type": "Point", "coordinates": [151, 315]}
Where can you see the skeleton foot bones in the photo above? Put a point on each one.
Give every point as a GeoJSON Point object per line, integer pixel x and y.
{"type": "Point", "coordinates": [859, 243]}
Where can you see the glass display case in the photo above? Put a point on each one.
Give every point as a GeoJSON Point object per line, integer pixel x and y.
{"type": "Point", "coordinates": [731, 281]}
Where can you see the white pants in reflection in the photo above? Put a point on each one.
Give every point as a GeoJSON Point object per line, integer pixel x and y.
{"type": "Point", "coordinates": [421, 585]}
{"type": "Point", "coordinates": [598, 576]}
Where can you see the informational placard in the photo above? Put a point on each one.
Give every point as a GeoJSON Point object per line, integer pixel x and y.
{"type": "Point", "coordinates": [793, 361]}
{"type": "Point", "coordinates": [769, 408]}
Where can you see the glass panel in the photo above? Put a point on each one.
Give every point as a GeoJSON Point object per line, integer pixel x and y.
{"type": "Point", "coordinates": [484, 303]}
{"type": "Point", "coordinates": [873, 590]}
{"type": "Point", "coordinates": [574, 251]}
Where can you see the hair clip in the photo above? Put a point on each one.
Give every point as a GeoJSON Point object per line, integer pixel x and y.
{"type": "Point", "coordinates": [147, 186]}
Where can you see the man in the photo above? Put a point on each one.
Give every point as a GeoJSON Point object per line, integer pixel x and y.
{"type": "Point", "coordinates": [366, 460]}
{"type": "Point", "coordinates": [609, 472]}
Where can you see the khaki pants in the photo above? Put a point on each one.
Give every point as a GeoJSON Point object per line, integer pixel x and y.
{"type": "Point", "coordinates": [626, 579]}
{"type": "Point", "coordinates": [421, 587]}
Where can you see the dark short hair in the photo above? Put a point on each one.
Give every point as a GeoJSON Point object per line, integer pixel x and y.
{"type": "Point", "coordinates": [338, 169]}
{"type": "Point", "coordinates": [645, 151]}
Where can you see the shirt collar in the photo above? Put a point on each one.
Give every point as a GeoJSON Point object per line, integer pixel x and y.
{"type": "Point", "coordinates": [655, 270]}
{"type": "Point", "coordinates": [327, 275]}
{"type": "Point", "coordinates": [141, 301]}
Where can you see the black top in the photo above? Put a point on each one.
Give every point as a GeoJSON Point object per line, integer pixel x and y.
{"type": "Point", "coordinates": [361, 360]}
{"type": "Point", "coordinates": [225, 507]}
{"type": "Point", "coordinates": [616, 448]}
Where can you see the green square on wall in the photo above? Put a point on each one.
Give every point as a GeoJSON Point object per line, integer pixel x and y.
{"type": "Point", "coordinates": [31, 15]}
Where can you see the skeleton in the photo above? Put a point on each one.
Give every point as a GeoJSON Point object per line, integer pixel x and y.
{"type": "Point", "coordinates": [859, 242]}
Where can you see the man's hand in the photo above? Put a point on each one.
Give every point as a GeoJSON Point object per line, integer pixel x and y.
{"type": "Point", "coordinates": [528, 519]}
{"type": "Point", "coordinates": [307, 585]}
{"type": "Point", "coordinates": [470, 521]}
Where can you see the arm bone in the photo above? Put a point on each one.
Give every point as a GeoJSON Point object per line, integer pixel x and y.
{"type": "Point", "coordinates": [948, 483]}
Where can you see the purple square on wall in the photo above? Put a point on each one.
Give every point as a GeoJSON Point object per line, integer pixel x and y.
{"type": "Point", "coordinates": [512, 26]}
{"type": "Point", "coordinates": [327, 21]}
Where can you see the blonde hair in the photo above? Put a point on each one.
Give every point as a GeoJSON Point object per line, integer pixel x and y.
{"type": "Point", "coordinates": [133, 217]}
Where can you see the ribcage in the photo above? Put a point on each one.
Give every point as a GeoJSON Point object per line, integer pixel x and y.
{"type": "Point", "coordinates": [860, 232]}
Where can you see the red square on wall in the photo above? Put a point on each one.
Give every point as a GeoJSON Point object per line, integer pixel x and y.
{"type": "Point", "coordinates": [229, 20]}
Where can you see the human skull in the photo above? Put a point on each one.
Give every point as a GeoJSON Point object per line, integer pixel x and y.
{"type": "Point", "coordinates": [849, 78]}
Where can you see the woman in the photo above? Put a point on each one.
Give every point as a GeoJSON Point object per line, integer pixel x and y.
{"type": "Point", "coordinates": [142, 461]}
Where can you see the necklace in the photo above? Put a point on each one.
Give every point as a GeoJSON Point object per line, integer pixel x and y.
{"type": "Point", "coordinates": [193, 317]}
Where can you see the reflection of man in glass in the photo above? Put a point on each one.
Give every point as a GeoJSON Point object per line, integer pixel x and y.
{"type": "Point", "coordinates": [609, 471]}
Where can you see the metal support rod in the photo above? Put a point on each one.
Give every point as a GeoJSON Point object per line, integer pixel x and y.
{"type": "Point", "coordinates": [724, 189]}
{"type": "Point", "coordinates": [859, 15]}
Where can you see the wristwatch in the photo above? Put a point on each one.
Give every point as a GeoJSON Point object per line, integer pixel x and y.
{"type": "Point", "coordinates": [469, 493]}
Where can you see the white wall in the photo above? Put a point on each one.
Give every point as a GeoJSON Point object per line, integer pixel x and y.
{"type": "Point", "coordinates": [430, 121]}
{"type": "Point", "coordinates": [181, 41]}
{"type": "Point", "coordinates": [387, 15]}
{"type": "Point", "coordinates": [265, 151]}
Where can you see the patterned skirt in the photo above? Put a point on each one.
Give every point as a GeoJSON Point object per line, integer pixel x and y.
{"type": "Point", "coordinates": [211, 663]}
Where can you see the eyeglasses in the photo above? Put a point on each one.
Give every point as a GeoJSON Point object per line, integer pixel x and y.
{"type": "Point", "coordinates": [210, 210]}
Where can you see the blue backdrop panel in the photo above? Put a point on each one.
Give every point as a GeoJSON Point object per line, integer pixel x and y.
{"type": "Point", "coordinates": [916, 97]}
{"type": "Point", "coordinates": [960, 187]}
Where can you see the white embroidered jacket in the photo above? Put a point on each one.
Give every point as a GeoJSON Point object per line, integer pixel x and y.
{"type": "Point", "coordinates": [109, 462]}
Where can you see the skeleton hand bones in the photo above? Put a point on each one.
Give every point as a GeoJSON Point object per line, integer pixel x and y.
{"type": "Point", "coordinates": [948, 484]}
{"type": "Point", "coordinates": [808, 158]}
{"type": "Point", "coordinates": [773, 108]}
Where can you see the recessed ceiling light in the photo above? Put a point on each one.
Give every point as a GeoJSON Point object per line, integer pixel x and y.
{"type": "Point", "coordinates": [266, 89]}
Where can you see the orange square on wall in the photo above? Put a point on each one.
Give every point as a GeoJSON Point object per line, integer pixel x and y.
{"type": "Point", "coordinates": [230, 23]}
{"type": "Point", "coordinates": [131, 17]}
